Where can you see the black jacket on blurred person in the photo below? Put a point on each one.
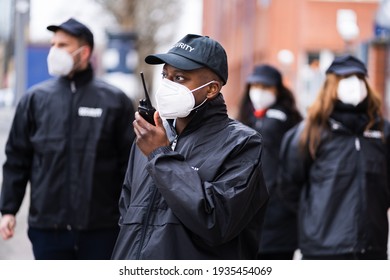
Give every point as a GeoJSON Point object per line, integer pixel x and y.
{"type": "Point", "coordinates": [54, 142]}
{"type": "Point", "coordinates": [272, 118]}
{"type": "Point", "coordinates": [336, 167]}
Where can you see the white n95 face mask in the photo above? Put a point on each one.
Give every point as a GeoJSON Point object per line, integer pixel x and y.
{"type": "Point", "coordinates": [351, 90]}
{"type": "Point", "coordinates": [60, 62]}
{"type": "Point", "coordinates": [261, 99]}
{"type": "Point", "coordinates": [175, 100]}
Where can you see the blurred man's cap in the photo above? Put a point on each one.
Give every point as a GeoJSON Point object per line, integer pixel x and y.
{"type": "Point", "coordinates": [194, 52]}
{"type": "Point", "coordinates": [346, 65]}
{"type": "Point", "coordinates": [76, 29]}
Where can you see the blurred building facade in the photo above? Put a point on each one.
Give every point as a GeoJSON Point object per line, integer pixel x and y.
{"type": "Point", "coordinates": [300, 37]}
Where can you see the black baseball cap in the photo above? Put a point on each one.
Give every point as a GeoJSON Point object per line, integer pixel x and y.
{"type": "Point", "coordinates": [265, 74]}
{"type": "Point", "coordinates": [76, 29]}
{"type": "Point", "coordinates": [194, 52]}
{"type": "Point", "coordinates": [346, 65]}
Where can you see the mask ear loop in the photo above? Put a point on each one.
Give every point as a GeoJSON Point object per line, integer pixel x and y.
{"type": "Point", "coordinates": [74, 53]}
{"type": "Point", "coordinates": [77, 51]}
{"type": "Point", "coordinates": [204, 101]}
{"type": "Point", "coordinates": [196, 107]}
{"type": "Point", "coordinates": [202, 86]}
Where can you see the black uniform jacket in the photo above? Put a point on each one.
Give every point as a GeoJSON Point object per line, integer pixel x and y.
{"type": "Point", "coordinates": [280, 225]}
{"type": "Point", "coordinates": [344, 193]}
{"type": "Point", "coordinates": [71, 139]}
{"type": "Point", "coordinates": [202, 198]}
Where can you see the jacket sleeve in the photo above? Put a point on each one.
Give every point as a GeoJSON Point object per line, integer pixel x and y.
{"type": "Point", "coordinates": [19, 153]}
{"type": "Point", "coordinates": [216, 210]}
{"type": "Point", "coordinates": [293, 169]}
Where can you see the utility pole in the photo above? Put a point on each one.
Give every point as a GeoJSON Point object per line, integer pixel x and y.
{"type": "Point", "coordinates": [22, 15]}
{"type": "Point", "coordinates": [5, 38]}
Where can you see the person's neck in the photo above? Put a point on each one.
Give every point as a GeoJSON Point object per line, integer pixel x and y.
{"type": "Point", "coordinates": [181, 124]}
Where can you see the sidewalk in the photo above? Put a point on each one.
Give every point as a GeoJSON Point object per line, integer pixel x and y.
{"type": "Point", "coordinates": [18, 247]}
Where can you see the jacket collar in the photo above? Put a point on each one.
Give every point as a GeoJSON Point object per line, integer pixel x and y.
{"type": "Point", "coordinates": [81, 78]}
{"type": "Point", "coordinates": [212, 111]}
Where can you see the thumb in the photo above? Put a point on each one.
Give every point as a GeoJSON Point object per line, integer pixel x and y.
{"type": "Point", "coordinates": [12, 224]}
{"type": "Point", "coordinates": [157, 119]}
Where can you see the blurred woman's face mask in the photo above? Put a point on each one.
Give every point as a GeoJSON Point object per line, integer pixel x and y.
{"type": "Point", "coordinates": [261, 99]}
{"type": "Point", "coordinates": [60, 62]}
{"type": "Point", "coordinates": [175, 100]}
{"type": "Point", "coordinates": [351, 90]}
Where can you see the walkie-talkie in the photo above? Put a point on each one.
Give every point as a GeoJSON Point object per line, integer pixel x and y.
{"type": "Point", "coordinates": [145, 107]}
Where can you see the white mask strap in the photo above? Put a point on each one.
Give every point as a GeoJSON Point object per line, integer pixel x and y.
{"type": "Point", "coordinates": [77, 51]}
{"type": "Point", "coordinates": [204, 101]}
{"type": "Point", "coordinates": [202, 86]}
{"type": "Point", "coordinates": [196, 107]}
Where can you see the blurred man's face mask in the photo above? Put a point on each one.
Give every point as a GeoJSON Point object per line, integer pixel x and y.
{"type": "Point", "coordinates": [60, 62]}
{"type": "Point", "coordinates": [175, 100]}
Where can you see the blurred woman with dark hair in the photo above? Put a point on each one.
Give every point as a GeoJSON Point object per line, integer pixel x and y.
{"type": "Point", "coordinates": [269, 107]}
{"type": "Point", "coordinates": [336, 167]}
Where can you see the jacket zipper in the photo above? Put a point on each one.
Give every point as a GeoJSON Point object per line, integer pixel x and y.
{"type": "Point", "coordinates": [174, 143]}
{"type": "Point", "coordinates": [73, 90]}
{"type": "Point", "coordinates": [357, 144]}
{"type": "Point", "coordinates": [362, 202]}
{"type": "Point", "coordinates": [73, 87]}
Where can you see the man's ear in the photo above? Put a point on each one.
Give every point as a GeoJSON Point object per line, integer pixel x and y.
{"type": "Point", "coordinates": [213, 90]}
{"type": "Point", "coordinates": [86, 52]}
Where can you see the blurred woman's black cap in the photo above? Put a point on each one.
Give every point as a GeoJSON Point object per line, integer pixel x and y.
{"type": "Point", "coordinates": [265, 74]}
{"type": "Point", "coordinates": [346, 65]}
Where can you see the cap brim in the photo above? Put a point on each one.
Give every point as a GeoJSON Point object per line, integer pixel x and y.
{"type": "Point", "coordinates": [348, 71]}
{"type": "Point", "coordinates": [53, 28]}
{"type": "Point", "coordinates": [260, 80]}
{"type": "Point", "coordinates": [174, 60]}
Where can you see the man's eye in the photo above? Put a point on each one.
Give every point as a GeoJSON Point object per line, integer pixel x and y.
{"type": "Point", "coordinates": [179, 78]}
{"type": "Point", "coordinates": [163, 75]}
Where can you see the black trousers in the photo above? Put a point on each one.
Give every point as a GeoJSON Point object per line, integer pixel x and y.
{"type": "Point", "coordinates": [72, 244]}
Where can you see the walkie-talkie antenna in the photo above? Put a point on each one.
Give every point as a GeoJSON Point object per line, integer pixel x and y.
{"type": "Point", "coordinates": [145, 107]}
{"type": "Point", "coordinates": [146, 91]}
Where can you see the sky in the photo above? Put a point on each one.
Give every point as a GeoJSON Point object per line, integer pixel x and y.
{"type": "Point", "coordinates": [44, 13]}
